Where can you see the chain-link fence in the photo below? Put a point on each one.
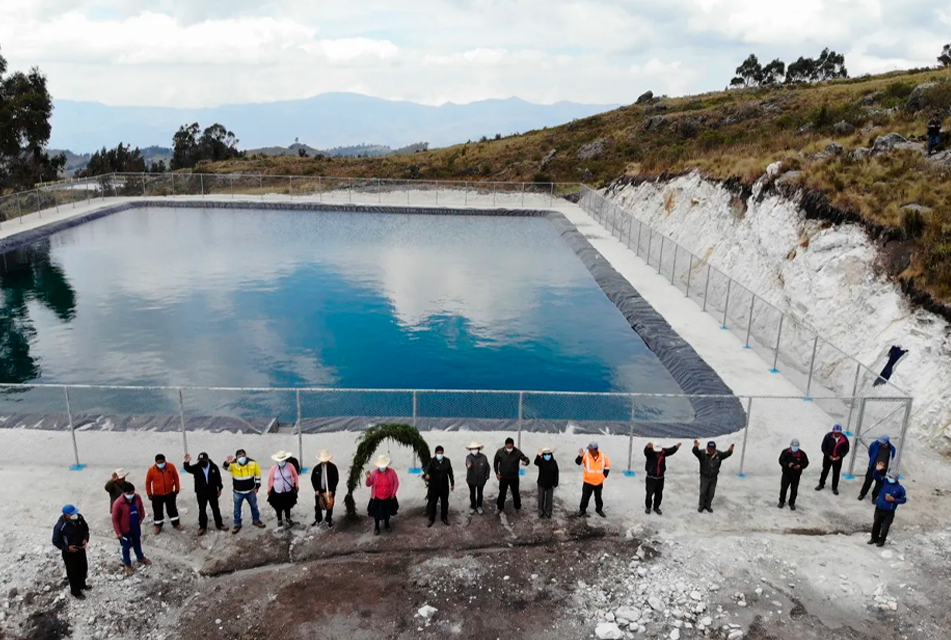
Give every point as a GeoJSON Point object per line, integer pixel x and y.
{"type": "Point", "coordinates": [107, 425]}
{"type": "Point", "coordinates": [785, 343]}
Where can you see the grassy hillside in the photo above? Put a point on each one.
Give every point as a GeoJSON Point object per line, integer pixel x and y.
{"type": "Point", "coordinates": [728, 135]}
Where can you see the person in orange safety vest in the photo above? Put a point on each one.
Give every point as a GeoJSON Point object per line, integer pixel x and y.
{"type": "Point", "coordinates": [596, 468]}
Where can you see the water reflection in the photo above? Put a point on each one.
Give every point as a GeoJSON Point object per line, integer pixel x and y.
{"type": "Point", "coordinates": [29, 275]}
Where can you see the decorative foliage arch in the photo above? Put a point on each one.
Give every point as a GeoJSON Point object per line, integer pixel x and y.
{"type": "Point", "coordinates": [367, 445]}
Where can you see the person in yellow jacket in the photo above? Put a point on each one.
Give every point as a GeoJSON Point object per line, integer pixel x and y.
{"type": "Point", "coordinates": [246, 475]}
{"type": "Point", "coordinates": [596, 468]}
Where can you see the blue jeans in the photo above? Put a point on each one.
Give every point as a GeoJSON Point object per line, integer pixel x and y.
{"type": "Point", "coordinates": [933, 142]}
{"type": "Point", "coordinates": [252, 499]}
{"type": "Point", "coordinates": [133, 541]}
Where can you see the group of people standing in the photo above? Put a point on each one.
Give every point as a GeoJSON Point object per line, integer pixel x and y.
{"type": "Point", "coordinates": [162, 486]}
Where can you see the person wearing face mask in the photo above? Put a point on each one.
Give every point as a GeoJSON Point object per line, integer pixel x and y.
{"type": "Point", "coordinates": [246, 481]}
{"type": "Point", "coordinates": [324, 479]}
{"type": "Point", "coordinates": [440, 481]}
{"type": "Point", "coordinates": [208, 488]}
{"type": "Point", "coordinates": [710, 460]}
{"type": "Point", "coordinates": [793, 462]}
{"type": "Point", "coordinates": [383, 483]}
{"type": "Point", "coordinates": [478, 470]}
{"type": "Point", "coordinates": [127, 516]}
{"type": "Point", "coordinates": [835, 446]}
{"type": "Point", "coordinates": [162, 487]}
{"type": "Point", "coordinates": [506, 464]}
{"type": "Point", "coordinates": [71, 536]}
{"type": "Point", "coordinates": [547, 481]}
{"type": "Point", "coordinates": [891, 495]}
{"type": "Point", "coordinates": [596, 468]}
{"type": "Point", "coordinates": [656, 467]}
{"type": "Point", "coordinates": [282, 488]}
{"type": "Point", "coordinates": [882, 451]}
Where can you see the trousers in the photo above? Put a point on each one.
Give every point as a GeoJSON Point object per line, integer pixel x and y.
{"type": "Point", "coordinates": [836, 466]}
{"type": "Point", "coordinates": [239, 500]}
{"type": "Point", "coordinates": [162, 503]}
{"type": "Point", "coordinates": [869, 479]}
{"type": "Point", "coordinates": [790, 482]}
{"type": "Point", "coordinates": [475, 495]}
{"type": "Point", "coordinates": [881, 523]}
{"type": "Point", "coordinates": [77, 568]}
{"type": "Point", "coordinates": [586, 491]}
{"type": "Point", "coordinates": [655, 492]}
{"type": "Point", "coordinates": [546, 500]}
{"type": "Point", "coordinates": [504, 485]}
{"type": "Point", "coordinates": [131, 541]}
{"type": "Point", "coordinates": [708, 489]}
{"type": "Point", "coordinates": [208, 501]}
{"type": "Point", "coordinates": [319, 513]}
{"type": "Point", "coordinates": [437, 494]}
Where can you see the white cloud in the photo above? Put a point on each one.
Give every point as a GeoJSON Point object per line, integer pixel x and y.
{"type": "Point", "coordinates": [208, 52]}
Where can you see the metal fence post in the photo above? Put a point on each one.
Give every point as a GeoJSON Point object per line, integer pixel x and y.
{"type": "Point", "coordinates": [437, 193]}
{"type": "Point", "coordinates": [749, 325]}
{"type": "Point", "coordinates": [201, 181]}
{"type": "Point", "coordinates": [689, 273]}
{"type": "Point", "coordinates": [493, 193]}
{"type": "Point", "coordinates": [173, 185]}
{"type": "Point", "coordinates": [630, 441]}
{"type": "Point", "coordinates": [779, 335]}
{"type": "Point", "coordinates": [650, 241]}
{"type": "Point", "coordinates": [19, 213]}
{"type": "Point", "coordinates": [726, 305]}
{"type": "Point", "coordinates": [904, 432]}
{"type": "Point", "coordinates": [551, 197]}
{"type": "Point", "coordinates": [640, 227]}
{"type": "Point", "coordinates": [77, 466]}
{"type": "Point", "coordinates": [379, 190]}
{"type": "Point", "coordinates": [746, 433]}
{"type": "Point", "coordinates": [523, 194]}
{"type": "Point", "coordinates": [858, 440]}
{"type": "Point", "coordinates": [673, 269]}
{"type": "Point", "coordinates": [320, 190]}
{"type": "Point", "coordinates": [300, 436]}
{"type": "Point", "coordinates": [521, 398]}
{"type": "Point", "coordinates": [706, 288]}
{"type": "Point", "coordinates": [181, 413]}
{"type": "Point", "coordinates": [812, 365]}
{"type": "Point", "coordinates": [660, 259]}
{"type": "Point", "coordinates": [414, 469]}
{"type": "Point", "coordinates": [855, 390]}
{"type": "Point", "coordinates": [261, 185]}
{"type": "Point", "coordinates": [630, 230]}
{"type": "Point", "coordinates": [290, 186]}
{"type": "Point", "coordinates": [467, 193]}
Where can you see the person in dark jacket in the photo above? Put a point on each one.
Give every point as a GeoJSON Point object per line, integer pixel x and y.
{"type": "Point", "coordinates": [655, 467]}
{"type": "Point", "coordinates": [114, 486]}
{"type": "Point", "coordinates": [835, 446]}
{"type": "Point", "coordinates": [478, 471]}
{"type": "Point", "coordinates": [506, 464]}
{"type": "Point", "coordinates": [547, 481]}
{"type": "Point", "coordinates": [792, 461]}
{"type": "Point", "coordinates": [880, 451]}
{"type": "Point", "coordinates": [710, 460]}
{"type": "Point", "coordinates": [440, 482]}
{"type": "Point", "coordinates": [324, 478]}
{"type": "Point", "coordinates": [208, 488]}
{"type": "Point", "coordinates": [891, 495]}
{"type": "Point", "coordinates": [934, 132]}
{"type": "Point", "coordinates": [71, 536]}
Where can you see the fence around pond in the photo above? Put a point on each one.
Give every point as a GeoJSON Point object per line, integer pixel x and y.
{"type": "Point", "coordinates": [98, 425]}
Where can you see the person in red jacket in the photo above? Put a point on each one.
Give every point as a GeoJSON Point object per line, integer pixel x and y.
{"type": "Point", "coordinates": [128, 512]}
{"type": "Point", "coordinates": [162, 487]}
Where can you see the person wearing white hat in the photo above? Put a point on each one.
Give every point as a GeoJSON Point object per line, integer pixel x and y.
{"type": "Point", "coordinates": [324, 478]}
{"type": "Point", "coordinates": [114, 486]}
{"type": "Point", "coordinates": [792, 461]}
{"type": "Point", "coordinates": [383, 483]}
{"type": "Point", "coordinates": [478, 471]}
{"type": "Point", "coordinates": [282, 487]}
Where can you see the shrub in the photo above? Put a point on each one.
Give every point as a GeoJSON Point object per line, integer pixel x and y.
{"type": "Point", "coordinates": [912, 223]}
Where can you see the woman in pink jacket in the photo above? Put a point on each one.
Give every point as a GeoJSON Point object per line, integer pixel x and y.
{"type": "Point", "coordinates": [282, 487]}
{"type": "Point", "coordinates": [383, 483]}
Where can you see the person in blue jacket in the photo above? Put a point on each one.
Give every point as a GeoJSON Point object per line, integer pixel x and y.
{"type": "Point", "coordinates": [881, 451]}
{"type": "Point", "coordinates": [892, 495]}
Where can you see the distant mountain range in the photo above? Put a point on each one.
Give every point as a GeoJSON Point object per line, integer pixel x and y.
{"type": "Point", "coordinates": [324, 121]}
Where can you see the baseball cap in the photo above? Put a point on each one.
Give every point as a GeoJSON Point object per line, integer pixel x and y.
{"type": "Point", "coordinates": [837, 428]}
{"type": "Point", "coordinates": [593, 446]}
{"type": "Point", "coordinates": [794, 443]}
{"type": "Point", "coordinates": [70, 510]}
{"type": "Point", "coordinates": [711, 445]}
{"type": "Point", "coordinates": [202, 456]}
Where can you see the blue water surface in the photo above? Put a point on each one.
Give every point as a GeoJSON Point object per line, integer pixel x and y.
{"type": "Point", "coordinates": [207, 297]}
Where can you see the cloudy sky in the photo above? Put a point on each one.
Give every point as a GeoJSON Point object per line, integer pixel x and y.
{"type": "Point", "coordinates": [207, 52]}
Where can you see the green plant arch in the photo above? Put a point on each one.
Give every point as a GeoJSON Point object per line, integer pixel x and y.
{"type": "Point", "coordinates": [367, 445]}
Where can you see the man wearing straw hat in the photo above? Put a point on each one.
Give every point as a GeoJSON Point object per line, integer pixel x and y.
{"type": "Point", "coordinates": [324, 479]}
{"type": "Point", "coordinates": [114, 486]}
{"type": "Point", "coordinates": [478, 471]}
